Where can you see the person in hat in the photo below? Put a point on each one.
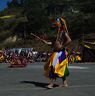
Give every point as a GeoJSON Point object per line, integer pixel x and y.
{"type": "Point", "coordinates": [57, 64]}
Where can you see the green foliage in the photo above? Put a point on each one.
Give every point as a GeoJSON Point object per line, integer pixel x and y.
{"type": "Point", "coordinates": [34, 16]}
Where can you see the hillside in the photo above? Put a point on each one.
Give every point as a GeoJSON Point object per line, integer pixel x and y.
{"type": "Point", "coordinates": [23, 17]}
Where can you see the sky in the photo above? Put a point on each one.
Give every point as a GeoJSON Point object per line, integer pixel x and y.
{"type": "Point", "coordinates": [3, 4]}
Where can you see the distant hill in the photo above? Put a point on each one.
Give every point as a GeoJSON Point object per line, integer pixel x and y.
{"type": "Point", "coordinates": [26, 16]}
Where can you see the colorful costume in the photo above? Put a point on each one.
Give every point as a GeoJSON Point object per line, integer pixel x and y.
{"type": "Point", "coordinates": [18, 60]}
{"type": "Point", "coordinates": [57, 65]}
{"type": "Point", "coordinates": [2, 57]}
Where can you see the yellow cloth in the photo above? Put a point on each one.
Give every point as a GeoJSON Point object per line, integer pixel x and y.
{"type": "Point", "coordinates": [59, 68]}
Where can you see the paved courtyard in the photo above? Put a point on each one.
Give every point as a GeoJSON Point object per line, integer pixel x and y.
{"type": "Point", "coordinates": [30, 81]}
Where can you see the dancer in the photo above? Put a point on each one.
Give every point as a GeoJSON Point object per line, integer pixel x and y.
{"type": "Point", "coordinates": [57, 65]}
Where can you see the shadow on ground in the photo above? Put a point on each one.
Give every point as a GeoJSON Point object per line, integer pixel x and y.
{"type": "Point", "coordinates": [37, 84]}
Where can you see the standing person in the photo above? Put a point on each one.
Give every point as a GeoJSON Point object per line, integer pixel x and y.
{"type": "Point", "coordinates": [57, 65]}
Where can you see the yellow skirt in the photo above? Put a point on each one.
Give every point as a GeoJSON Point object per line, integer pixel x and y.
{"type": "Point", "coordinates": [57, 65]}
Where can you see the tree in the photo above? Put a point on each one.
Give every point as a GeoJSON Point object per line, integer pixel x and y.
{"type": "Point", "coordinates": [79, 15]}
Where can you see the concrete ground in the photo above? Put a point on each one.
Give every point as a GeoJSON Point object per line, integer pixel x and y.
{"type": "Point", "coordinates": [30, 81]}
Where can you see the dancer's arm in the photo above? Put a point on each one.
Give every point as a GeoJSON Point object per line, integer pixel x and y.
{"type": "Point", "coordinates": [68, 40]}
{"type": "Point", "coordinates": [46, 42]}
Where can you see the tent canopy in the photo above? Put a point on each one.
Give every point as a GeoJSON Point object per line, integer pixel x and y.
{"type": "Point", "coordinates": [88, 48]}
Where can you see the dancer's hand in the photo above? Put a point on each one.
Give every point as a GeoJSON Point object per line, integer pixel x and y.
{"type": "Point", "coordinates": [46, 42]}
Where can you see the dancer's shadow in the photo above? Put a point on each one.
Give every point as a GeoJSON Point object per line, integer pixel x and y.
{"type": "Point", "coordinates": [38, 84]}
